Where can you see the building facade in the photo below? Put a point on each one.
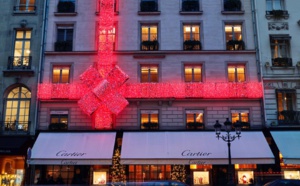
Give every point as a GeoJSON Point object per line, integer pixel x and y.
{"type": "Point", "coordinates": [21, 29]}
{"type": "Point", "coordinates": [278, 27]}
{"type": "Point", "coordinates": [131, 91]}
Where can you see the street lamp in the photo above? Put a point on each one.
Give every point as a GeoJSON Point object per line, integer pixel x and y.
{"type": "Point", "coordinates": [228, 138]}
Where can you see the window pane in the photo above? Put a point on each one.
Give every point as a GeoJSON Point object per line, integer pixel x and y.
{"type": "Point", "coordinates": [19, 34]}
{"type": "Point", "coordinates": [197, 74]}
{"type": "Point", "coordinates": [56, 76]}
{"type": "Point", "coordinates": [234, 117]}
{"type": "Point", "coordinates": [144, 118]}
{"type": "Point", "coordinates": [244, 117]}
{"type": "Point", "coordinates": [231, 74]}
{"type": "Point", "coordinates": [145, 33]}
{"type": "Point", "coordinates": [28, 34]}
{"type": "Point", "coordinates": [65, 75]}
{"type": "Point", "coordinates": [241, 74]}
{"type": "Point", "coordinates": [154, 118]}
{"type": "Point", "coordinates": [188, 74]}
{"type": "Point", "coordinates": [154, 74]}
{"type": "Point", "coordinates": [153, 32]}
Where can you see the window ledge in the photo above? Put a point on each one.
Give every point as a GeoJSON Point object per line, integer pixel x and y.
{"type": "Point", "coordinates": [24, 13]}
{"type": "Point", "coordinates": [115, 13]}
{"type": "Point", "coordinates": [65, 14]}
{"type": "Point", "coordinates": [149, 13]}
{"type": "Point", "coordinates": [149, 56]}
{"type": "Point", "coordinates": [241, 12]}
{"type": "Point", "coordinates": [22, 73]}
{"type": "Point", "coordinates": [191, 12]}
{"type": "Point", "coordinates": [282, 68]}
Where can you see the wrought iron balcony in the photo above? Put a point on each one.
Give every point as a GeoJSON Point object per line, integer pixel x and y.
{"type": "Point", "coordinates": [282, 62]}
{"type": "Point", "coordinates": [195, 126]}
{"type": "Point", "coordinates": [149, 6]}
{"type": "Point", "coordinates": [19, 62]}
{"type": "Point", "coordinates": [63, 46]}
{"type": "Point", "coordinates": [58, 126]}
{"type": "Point", "coordinates": [191, 45]}
{"type": "Point", "coordinates": [277, 14]}
{"type": "Point", "coordinates": [66, 7]}
{"type": "Point", "coordinates": [149, 126]}
{"type": "Point", "coordinates": [24, 9]}
{"type": "Point", "coordinates": [16, 126]}
{"type": "Point", "coordinates": [149, 45]}
{"type": "Point", "coordinates": [235, 45]}
{"type": "Point", "coordinates": [288, 117]}
{"type": "Point", "coordinates": [190, 6]}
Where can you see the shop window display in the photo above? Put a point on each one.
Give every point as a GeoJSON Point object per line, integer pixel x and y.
{"type": "Point", "coordinates": [291, 175]}
{"type": "Point", "coordinates": [201, 177]}
{"type": "Point", "coordinates": [245, 177]}
{"type": "Point", "coordinates": [12, 172]}
{"type": "Point", "coordinates": [99, 178]}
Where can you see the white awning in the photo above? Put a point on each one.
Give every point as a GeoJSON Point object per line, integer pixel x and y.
{"type": "Point", "coordinates": [193, 148]}
{"type": "Point", "coordinates": [73, 149]}
{"type": "Point", "coordinates": [288, 144]}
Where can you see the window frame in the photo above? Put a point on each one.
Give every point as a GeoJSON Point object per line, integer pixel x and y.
{"type": "Point", "coordinates": [149, 44]}
{"type": "Point", "coordinates": [236, 74]}
{"type": "Point", "coordinates": [67, 43]}
{"type": "Point", "coordinates": [272, 2]}
{"type": "Point", "coordinates": [59, 114]}
{"type": "Point", "coordinates": [244, 122]}
{"type": "Point", "coordinates": [151, 125]}
{"type": "Point", "coordinates": [193, 73]}
{"type": "Point", "coordinates": [149, 75]}
{"type": "Point", "coordinates": [29, 7]}
{"type": "Point", "coordinates": [114, 35]}
{"type": "Point", "coordinates": [15, 121]}
{"type": "Point", "coordinates": [195, 124]}
{"type": "Point", "coordinates": [61, 67]}
{"type": "Point", "coordinates": [231, 42]}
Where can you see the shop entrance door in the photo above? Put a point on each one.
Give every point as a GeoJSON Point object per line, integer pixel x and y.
{"type": "Point", "coordinates": [219, 175]}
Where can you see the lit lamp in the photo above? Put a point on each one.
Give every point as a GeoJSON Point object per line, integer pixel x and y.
{"type": "Point", "coordinates": [228, 138]}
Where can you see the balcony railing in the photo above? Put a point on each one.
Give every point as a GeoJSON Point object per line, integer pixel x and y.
{"type": "Point", "coordinates": [58, 126]}
{"type": "Point", "coordinates": [149, 45]}
{"type": "Point", "coordinates": [62, 46]}
{"type": "Point", "coordinates": [66, 7]}
{"type": "Point", "coordinates": [149, 126]}
{"type": "Point", "coordinates": [24, 9]}
{"type": "Point", "coordinates": [288, 117]}
{"type": "Point", "coordinates": [16, 126]}
{"type": "Point", "coordinates": [277, 14]}
{"type": "Point", "coordinates": [235, 45]}
{"type": "Point", "coordinates": [195, 126]}
{"type": "Point", "coordinates": [149, 6]}
{"type": "Point", "coordinates": [190, 6]}
{"type": "Point", "coordinates": [191, 45]}
{"type": "Point", "coordinates": [282, 62]}
{"type": "Point", "coordinates": [19, 62]}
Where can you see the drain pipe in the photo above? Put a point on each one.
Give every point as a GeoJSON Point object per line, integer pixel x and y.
{"type": "Point", "coordinates": [257, 56]}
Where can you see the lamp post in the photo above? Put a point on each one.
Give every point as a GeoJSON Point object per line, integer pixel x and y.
{"type": "Point", "coordinates": [228, 138]}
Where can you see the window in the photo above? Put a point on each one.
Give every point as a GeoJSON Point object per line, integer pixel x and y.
{"type": "Point", "coordinates": [275, 5]}
{"type": "Point", "coordinates": [232, 5]}
{"type": "Point", "coordinates": [17, 108]}
{"type": "Point", "coordinates": [193, 73]}
{"type": "Point", "coordinates": [61, 74]}
{"type": "Point", "coordinates": [66, 6]}
{"type": "Point", "coordinates": [150, 172]}
{"type": "Point", "coordinates": [149, 119]}
{"type": "Point", "coordinates": [194, 119]}
{"type": "Point", "coordinates": [58, 120]}
{"type": "Point", "coordinates": [242, 116]}
{"type": "Point", "coordinates": [149, 37]}
{"type": "Point", "coordinates": [234, 39]}
{"type": "Point", "coordinates": [63, 174]}
{"type": "Point", "coordinates": [116, 4]}
{"type": "Point", "coordinates": [64, 41]}
{"type": "Point", "coordinates": [106, 36]}
{"type": "Point", "coordinates": [280, 50]}
{"type": "Point", "coordinates": [191, 37]}
{"type": "Point", "coordinates": [286, 106]}
{"type": "Point", "coordinates": [25, 6]}
{"type": "Point", "coordinates": [149, 6]}
{"type": "Point", "coordinates": [149, 73]}
{"type": "Point", "coordinates": [236, 73]}
{"type": "Point", "coordinates": [21, 58]}
{"type": "Point", "coordinates": [190, 5]}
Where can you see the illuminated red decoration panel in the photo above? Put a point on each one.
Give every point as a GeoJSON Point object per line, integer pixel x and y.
{"type": "Point", "coordinates": [159, 90]}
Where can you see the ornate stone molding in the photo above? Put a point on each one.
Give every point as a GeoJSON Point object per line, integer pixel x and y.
{"type": "Point", "coordinates": [278, 26]}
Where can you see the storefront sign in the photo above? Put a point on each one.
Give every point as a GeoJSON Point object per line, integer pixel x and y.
{"type": "Point", "coordinates": [190, 153]}
{"type": "Point", "coordinates": [69, 162]}
{"type": "Point", "coordinates": [64, 153]}
{"type": "Point", "coordinates": [197, 162]}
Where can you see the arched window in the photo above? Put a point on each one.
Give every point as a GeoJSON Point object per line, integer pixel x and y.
{"type": "Point", "coordinates": [17, 107]}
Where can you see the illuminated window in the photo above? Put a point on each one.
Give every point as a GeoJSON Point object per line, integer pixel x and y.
{"type": "Point", "coordinates": [116, 6]}
{"type": "Point", "coordinates": [61, 74]}
{"type": "Point", "coordinates": [234, 39]}
{"type": "Point", "coordinates": [142, 173]}
{"type": "Point", "coordinates": [241, 116]}
{"type": "Point", "coordinates": [63, 174]}
{"type": "Point", "coordinates": [286, 106]}
{"type": "Point", "coordinates": [149, 119]}
{"type": "Point", "coordinates": [280, 50]}
{"type": "Point", "coordinates": [191, 37]}
{"type": "Point", "coordinates": [17, 109]}
{"type": "Point", "coordinates": [21, 58]}
{"type": "Point", "coordinates": [194, 119]}
{"type": "Point", "coordinates": [64, 41]}
{"type": "Point", "coordinates": [149, 73]}
{"type": "Point", "coordinates": [236, 73]}
{"type": "Point", "coordinates": [58, 120]}
{"type": "Point", "coordinates": [25, 6]}
{"type": "Point", "coordinates": [106, 36]}
{"type": "Point", "coordinates": [149, 37]}
{"type": "Point", "coordinates": [275, 5]}
{"type": "Point", "coordinates": [192, 73]}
